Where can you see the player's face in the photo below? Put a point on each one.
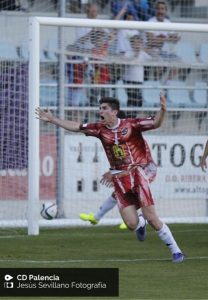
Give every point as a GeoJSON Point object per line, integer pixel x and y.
{"type": "Point", "coordinates": [107, 114]}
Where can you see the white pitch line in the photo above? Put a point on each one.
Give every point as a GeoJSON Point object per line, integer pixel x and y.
{"type": "Point", "coordinates": [104, 234]}
{"type": "Point", "coordinates": [12, 236]}
{"type": "Point", "coordinates": [100, 260]}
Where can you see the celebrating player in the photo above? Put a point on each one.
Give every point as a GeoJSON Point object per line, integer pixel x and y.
{"type": "Point", "coordinates": [150, 170]}
{"type": "Point", "coordinates": [127, 155]}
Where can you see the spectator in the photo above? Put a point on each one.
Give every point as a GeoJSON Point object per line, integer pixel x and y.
{"type": "Point", "coordinates": [123, 35]}
{"type": "Point", "coordinates": [156, 39]}
{"type": "Point", "coordinates": [122, 43]}
{"type": "Point", "coordinates": [134, 73]}
{"type": "Point", "coordinates": [118, 5]}
{"type": "Point", "coordinates": [143, 9]}
{"type": "Point", "coordinates": [79, 73]}
{"type": "Point", "coordinates": [101, 42]}
{"type": "Point", "coordinates": [83, 34]}
{"type": "Point", "coordinates": [75, 73]}
{"type": "Point", "coordinates": [151, 4]}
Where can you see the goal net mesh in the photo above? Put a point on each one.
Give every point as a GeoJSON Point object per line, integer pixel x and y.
{"type": "Point", "coordinates": [77, 67]}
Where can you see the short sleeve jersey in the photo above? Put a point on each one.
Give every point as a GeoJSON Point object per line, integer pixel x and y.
{"type": "Point", "coordinates": [124, 144]}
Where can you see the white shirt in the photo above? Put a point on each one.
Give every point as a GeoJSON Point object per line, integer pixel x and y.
{"type": "Point", "coordinates": [123, 36]}
{"type": "Point", "coordinates": [135, 72]}
{"type": "Point", "coordinates": [82, 32]}
{"type": "Point", "coordinates": [156, 33]}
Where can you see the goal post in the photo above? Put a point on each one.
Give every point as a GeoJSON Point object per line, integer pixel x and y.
{"type": "Point", "coordinates": [96, 23]}
{"type": "Point", "coordinates": [34, 145]}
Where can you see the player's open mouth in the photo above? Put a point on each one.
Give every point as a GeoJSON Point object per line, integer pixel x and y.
{"type": "Point", "coordinates": [102, 118]}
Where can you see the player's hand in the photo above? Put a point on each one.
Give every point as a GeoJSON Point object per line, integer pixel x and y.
{"type": "Point", "coordinates": [162, 101]}
{"type": "Point", "coordinates": [45, 116]}
{"type": "Point", "coordinates": [203, 165]}
{"type": "Point", "coordinates": [107, 179]}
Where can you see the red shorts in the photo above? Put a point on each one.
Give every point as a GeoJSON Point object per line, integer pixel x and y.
{"type": "Point", "coordinates": [133, 188]}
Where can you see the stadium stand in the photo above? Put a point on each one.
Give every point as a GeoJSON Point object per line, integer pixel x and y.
{"type": "Point", "coordinates": [178, 96]}
{"type": "Point", "coordinates": [8, 51]}
{"type": "Point", "coordinates": [151, 95]}
{"type": "Point", "coordinates": [51, 50]}
{"type": "Point", "coordinates": [200, 94]}
{"type": "Point", "coordinates": [48, 93]}
{"type": "Point", "coordinates": [23, 51]}
{"type": "Point", "coordinates": [186, 52]}
{"type": "Point", "coordinates": [183, 49]}
{"type": "Point", "coordinates": [121, 94]}
{"type": "Point", "coordinates": [203, 53]}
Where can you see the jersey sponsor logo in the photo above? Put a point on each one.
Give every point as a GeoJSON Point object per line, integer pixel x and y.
{"type": "Point", "coordinates": [124, 131]}
{"type": "Point", "coordinates": [118, 151]}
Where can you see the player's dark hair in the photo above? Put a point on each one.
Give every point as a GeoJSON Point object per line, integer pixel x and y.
{"type": "Point", "coordinates": [112, 102]}
{"type": "Point", "coordinates": [163, 2]}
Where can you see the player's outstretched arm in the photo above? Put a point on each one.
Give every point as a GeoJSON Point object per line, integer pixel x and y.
{"type": "Point", "coordinates": [161, 114]}
{"type": "Point", "coordinates": [47, 116]}
{"type": "Point", "coordinates": [203, 162]}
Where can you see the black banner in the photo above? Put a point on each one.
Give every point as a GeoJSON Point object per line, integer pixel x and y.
{"type": "Point", "coordinates": [59, 282]}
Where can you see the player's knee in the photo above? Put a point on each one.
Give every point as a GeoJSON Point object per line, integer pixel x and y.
{"type": "Point", "coordinates": [132, 225]}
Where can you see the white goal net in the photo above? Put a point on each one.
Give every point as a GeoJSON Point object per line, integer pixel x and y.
{"type": "Point", "coordinates": [74, 62]}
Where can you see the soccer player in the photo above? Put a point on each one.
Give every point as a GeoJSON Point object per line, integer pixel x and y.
{"type": "Point", "coordinates": [127, 156]}
{"type": "Point", "coordinates": [203, 162]}
{"type": "Point", "coordinates": [150, 170]}
{"type": "Point", "coordinates": [110, 202]}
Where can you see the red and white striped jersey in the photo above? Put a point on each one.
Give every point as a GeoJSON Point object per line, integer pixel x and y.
{"type": "Point", "coordinates": [124, 144]}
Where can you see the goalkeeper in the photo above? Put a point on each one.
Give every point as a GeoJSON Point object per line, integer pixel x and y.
{"type": "Point", "coordinates": [127, 156]}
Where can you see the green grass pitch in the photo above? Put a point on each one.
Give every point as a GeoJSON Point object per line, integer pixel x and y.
{"type": "Point", "coordinates": [145, 268]}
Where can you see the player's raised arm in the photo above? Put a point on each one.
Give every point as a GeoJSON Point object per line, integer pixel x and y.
{"type": "Point", "coordinates": [161, 114]}
{"type": "Point", "coordinates": [47, 116]}
{"type": "Point", "coordinates": [203, 162]}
